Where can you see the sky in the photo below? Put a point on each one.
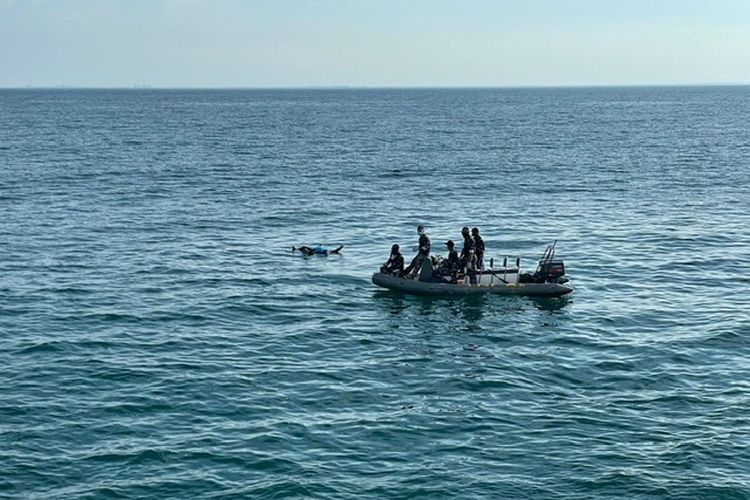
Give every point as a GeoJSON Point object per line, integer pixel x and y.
{"type": "Point", "coordinates": [378, 43]}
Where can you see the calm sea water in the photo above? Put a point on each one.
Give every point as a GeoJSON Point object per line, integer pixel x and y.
{"type": "Point", "coordinates": [158, 339]}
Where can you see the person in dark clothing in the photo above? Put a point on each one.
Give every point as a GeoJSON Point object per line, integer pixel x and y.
{"type": "Point", "coordinates": [395, 263]}
{"type": "Point", "coordinates": [317, 250]}
{"type": "Point", "coordinates": [479, 251]}
{"type": "Point", "coordinates": [449, 266]}
{"type": "Point", "coordinates": [422, 253]}
{"type": "Point", "coordinates": [468, 257]}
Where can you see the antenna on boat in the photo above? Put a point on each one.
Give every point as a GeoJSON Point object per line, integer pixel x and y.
{"type": "Point", "coordinates": [552, 253]}
{"type": "Point", "coordinates": [547, 256]}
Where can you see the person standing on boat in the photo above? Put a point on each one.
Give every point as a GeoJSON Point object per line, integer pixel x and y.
{"type": "Point", "coordinates": [479, 251]}
{"type": "Point", "coordinates": [423, 251]}
{"type": "Point", "coordinates": [395, 263]}
{"type": "Point", "coordinates": [468, 257]}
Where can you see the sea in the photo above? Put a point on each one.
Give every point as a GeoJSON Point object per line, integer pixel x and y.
{"type": "Point", "coordinates": [159, 339]}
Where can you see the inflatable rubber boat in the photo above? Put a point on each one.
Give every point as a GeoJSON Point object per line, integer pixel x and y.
{"type": "Point", "coordinates": [548, 280]}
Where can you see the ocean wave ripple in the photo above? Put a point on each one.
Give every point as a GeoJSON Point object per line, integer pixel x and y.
{"type": "Point", "coordinates": [159, 340]}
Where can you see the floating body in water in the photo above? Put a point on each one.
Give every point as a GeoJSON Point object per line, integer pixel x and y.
{"type": "Point", "coordinates": [317, 250]}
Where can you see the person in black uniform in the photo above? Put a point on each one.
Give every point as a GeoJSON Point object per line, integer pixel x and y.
{"type": "Point", "coordinates": [468, 256]}
{"type": "Point", "coordinates": [479, 251]}
{"type": "Point", "coordinates": [395, 263]}
{"type": "Point", "coordinates": [449, 266]}
{"type": "Point", "coordinates": [422, 253]}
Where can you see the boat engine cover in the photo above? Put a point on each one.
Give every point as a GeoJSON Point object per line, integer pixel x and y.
{"type": "Point", "coordinates": [551, 270]}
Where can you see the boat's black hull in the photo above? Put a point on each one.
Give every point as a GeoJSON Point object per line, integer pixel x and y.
{"type": "Point", "coordinates": [426, 288]}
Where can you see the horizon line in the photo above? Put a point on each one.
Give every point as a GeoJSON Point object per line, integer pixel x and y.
{"type": "Point", "coordinates": [368, 87]}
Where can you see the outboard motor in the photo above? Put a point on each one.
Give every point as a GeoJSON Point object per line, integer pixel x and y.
{"type": "Point", "coordinates": [549, 270]}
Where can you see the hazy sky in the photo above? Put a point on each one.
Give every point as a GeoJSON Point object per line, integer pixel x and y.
{"type": "Point", "coordinates": [252, 43]}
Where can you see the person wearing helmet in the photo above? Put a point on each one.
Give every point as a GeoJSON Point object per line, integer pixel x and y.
{"type": "Point", "coordinates": [479, 251]}
{"type": "Point", "coordinates": [468, 257]}
{"type": "Point", "coordinates": [423, 251]}
{"type": "Point", "coordinates": [395, 263]}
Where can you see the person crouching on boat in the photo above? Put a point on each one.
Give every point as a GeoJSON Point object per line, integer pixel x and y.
{"type": "Point", "coordinates": [479, 250]}
{"type": "Point", "coordinates": [468, 257]}
{"type": "Point", "coordinates": [449, 266]}
{"type": "Point", "coordinates": [395, 263]}
{"type": "Point", "coordinates": [423, 251]}
{"type": "Point", "coordinates": [317, 250]}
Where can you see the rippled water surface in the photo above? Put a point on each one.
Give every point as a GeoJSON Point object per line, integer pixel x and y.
{"type": "Point", "coordinates": [158, 339]}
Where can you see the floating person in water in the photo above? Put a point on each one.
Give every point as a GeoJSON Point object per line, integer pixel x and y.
{"type": "Point", "coordinates": [479, 248]}
{"type": "Point", "coordinates": [468, 257]}
{"type": "Point", "coordinates": [317, 250]}
{"type": "Point", "coordinates": [423, 251]}
{"type": "Point", "coordinates": [395, 263]}
{"type": "Point", "coordinates": [449, 267]}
